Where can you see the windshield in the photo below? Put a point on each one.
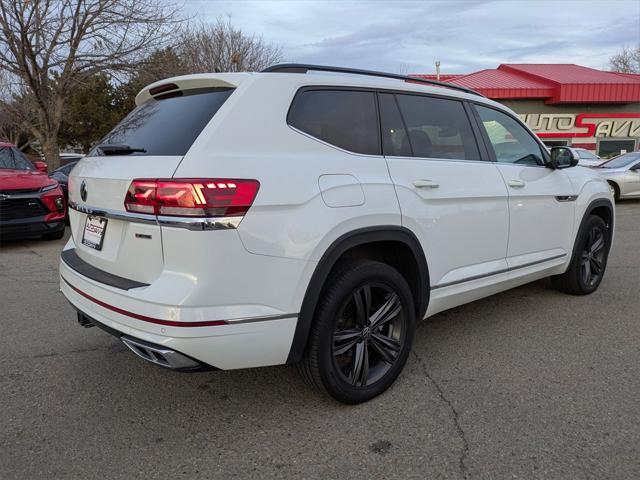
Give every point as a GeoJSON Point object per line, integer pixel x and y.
{"type": "Point", "coordinates": [586, 155]}
{"type": "Point", "coordinates": [168, 126]}
{"type": "Point", "coordinates": [622, 161]}
{"type": "Point", "coordinates": [12, 158]}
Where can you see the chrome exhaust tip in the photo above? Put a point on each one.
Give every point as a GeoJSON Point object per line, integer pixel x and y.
{"type": "Point", "coordinates": [164, 357]}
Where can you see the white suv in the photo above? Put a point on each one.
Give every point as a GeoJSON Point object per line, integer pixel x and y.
{"type": "Point", "coordinates": [311, 215]}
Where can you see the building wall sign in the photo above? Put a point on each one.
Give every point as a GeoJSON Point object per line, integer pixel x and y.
{"type": "Point", "coordinates": [583, 125]}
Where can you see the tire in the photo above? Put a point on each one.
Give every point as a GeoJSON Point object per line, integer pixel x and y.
{"type": "Point", "coordinates": [589, 260]}
{"type": "Point", "coordinates": [54, 235]}
{"type": "Point", "coordinates": [615, 190]}
{"type": "Point", "coordinates": [352, 356]}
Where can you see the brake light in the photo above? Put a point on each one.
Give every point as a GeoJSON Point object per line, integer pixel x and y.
{"type": "Point", "coordinates": [202, 197]}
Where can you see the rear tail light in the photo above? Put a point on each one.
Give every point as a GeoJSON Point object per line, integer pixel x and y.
{"type": "Point", "coordinates": [190, 197]}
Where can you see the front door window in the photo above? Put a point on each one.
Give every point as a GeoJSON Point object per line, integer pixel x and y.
{"type": "Point", "coordinates": [511, 142]}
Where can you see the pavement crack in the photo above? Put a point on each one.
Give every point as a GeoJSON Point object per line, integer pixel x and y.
{"type": "Point", "coordinates": [454, 416]}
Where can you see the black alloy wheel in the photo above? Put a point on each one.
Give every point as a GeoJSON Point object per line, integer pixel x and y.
{"type": "Point", "coordinates": [589, 261]}
{"type": "Point", "coordinates": [368, 334]}
{"type": "Point", "coordinates": [593, 256]}
{"type": "Point", "coordinates": [361, 333]}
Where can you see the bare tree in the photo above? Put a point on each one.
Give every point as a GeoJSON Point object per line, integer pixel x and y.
{"type": "Point", "coordinates": [626, 60]}
{"type": "Point", "coordinates": [221, 47]}
{"type": "Point", "coordinates": [11, 131]}
{"type": "Point", "coordinates": [16, 107]}
{"type": "Point", "coordinates": [47, 47]}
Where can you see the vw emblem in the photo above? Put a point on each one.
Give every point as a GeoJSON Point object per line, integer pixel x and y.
{"type": "Point", "coordinates": [4, 196]}
{"type": "Point", "coordinates": [83, 191]}
{"type": "Point", "coordinates": [366, 332]}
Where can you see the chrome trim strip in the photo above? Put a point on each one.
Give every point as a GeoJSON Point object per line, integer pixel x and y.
{"type": "Point", "coordinates": [11, 196]}
{"type": "Point", "coordinates": [35, 193]}
{"type": "Point", "coordinates": [116, 215]}
{"type": "Point", "coordinates": [48, 188]}
{"type": "Point", "coordinates": [216, 223]}
{"type": "Point", "coordinates": [566, 198]}
{"type": "Point", "coordinates": [498, 272]}
{"type": "Point", "coordinates": [195, 224]}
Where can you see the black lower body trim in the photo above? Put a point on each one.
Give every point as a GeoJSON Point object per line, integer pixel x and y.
{"type": "Point", "coordinates": [29, 228]}
{"type": "Point", "coordinates": [74, 262]}
{"type": "Point", "coordinates": [497, 272]}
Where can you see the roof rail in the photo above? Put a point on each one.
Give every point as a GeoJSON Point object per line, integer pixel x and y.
{"type": "Point", "coordinates": [304, 68]}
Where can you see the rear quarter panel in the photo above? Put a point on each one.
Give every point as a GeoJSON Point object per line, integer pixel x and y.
{"type": "Point", "coordinates": [250, 138]}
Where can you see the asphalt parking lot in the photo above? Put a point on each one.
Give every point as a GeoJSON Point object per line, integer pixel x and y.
{"type": "Point", "coordinates": [530, 383]}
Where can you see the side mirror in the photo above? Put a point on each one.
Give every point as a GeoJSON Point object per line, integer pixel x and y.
{"type": "Point", "coordinates": [41, 166]}
{"type": "Point", "coordinates": [563, 157]}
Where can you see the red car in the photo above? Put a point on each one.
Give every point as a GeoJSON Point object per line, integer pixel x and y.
{"type": "Point", "coordinates": [31, 203]}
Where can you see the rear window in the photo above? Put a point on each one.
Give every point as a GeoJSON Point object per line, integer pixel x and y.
{"type": "Point", "coordinates": [168, 126]}
{"type": "Point", "coordinates": [344, 118]}
{"type": "Point", "coordinates": [11, 158]}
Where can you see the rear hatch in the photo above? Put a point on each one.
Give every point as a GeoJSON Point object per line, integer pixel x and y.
{"type": "Point", "coordinates": [149, 144]}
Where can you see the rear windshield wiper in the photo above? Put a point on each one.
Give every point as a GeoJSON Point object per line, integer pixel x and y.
{"type": "Point", "coordinates": [109, 149]}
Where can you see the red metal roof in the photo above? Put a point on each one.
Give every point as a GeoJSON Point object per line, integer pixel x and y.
{"type": "Point", "coordinates": [555, 83]}
{"type": "Point", "coordinates": [443, 77]}
{"type": "Point", "coordinates": [630, 75]}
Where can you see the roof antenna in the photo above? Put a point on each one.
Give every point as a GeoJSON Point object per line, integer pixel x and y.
{"type": "Point", "coordinates": [438, 70]}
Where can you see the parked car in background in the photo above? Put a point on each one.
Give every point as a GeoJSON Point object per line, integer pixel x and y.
{"type": "Point", "coordinates": [66, 158]}
{"type": "Point", "coordinates": [238, 220]}
{"type": "Point", "coordinates": [31, 203]}
{"type": "Point", "coordinates": [61, 174]}
{"type": "Point", "coordinates": [623, 174]}
{"type": "Point", "coordinates": [587, 158]}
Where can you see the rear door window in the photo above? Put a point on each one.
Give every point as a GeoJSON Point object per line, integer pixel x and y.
{"type": "Point", "coordinates": [438, 128]}
{"type": "Point", "coordinates": [344, 118]}
{"type": "Point", "coordinates": [168, 126]}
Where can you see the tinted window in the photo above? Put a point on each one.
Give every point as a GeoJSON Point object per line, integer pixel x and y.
{"type": "Point", "coordinates": [395, 141]}
{"type": "Point", "coordinates": [622, 161]}
{"type": "Point", "coordinates": [438, 128]}
{"type": "Point", "coordinates": [346, 119]}
{"type": "Point", "coordinates": [511, 142]}
{"type": "Point", "coordinates": [12, 158]}
{"type": "Point", "coordinates": [168, 126]}
{"type": "Point", "coordinates": [67, 168]}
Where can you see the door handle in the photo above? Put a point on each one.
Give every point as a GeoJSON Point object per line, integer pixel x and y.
{"type": "Point", "coordinates": [425, 184]}
{"type": "Point", "coordinates": [516, 183]}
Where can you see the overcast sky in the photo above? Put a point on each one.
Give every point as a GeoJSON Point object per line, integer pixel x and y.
{"type": "Point", "coordinates": [409, 36]}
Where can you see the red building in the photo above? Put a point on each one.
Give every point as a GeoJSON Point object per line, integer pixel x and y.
{"type": "Point", "coordinates": [565, 104]}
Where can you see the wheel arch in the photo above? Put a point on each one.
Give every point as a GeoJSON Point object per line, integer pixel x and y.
{"type": "Point", "coordinates": [616, 187]}
{"type": "Point", "coordinates": [602, 208]}
{"type": "Point", "coordinates": [361, 243]}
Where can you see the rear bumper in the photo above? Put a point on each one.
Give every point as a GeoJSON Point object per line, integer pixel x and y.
{"type": "Point", "coordinates": [29, 227]}
{"type": "Point", "coordinates": [153, 353]}
{"type": "Point", "coordinates": [218, 334]}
